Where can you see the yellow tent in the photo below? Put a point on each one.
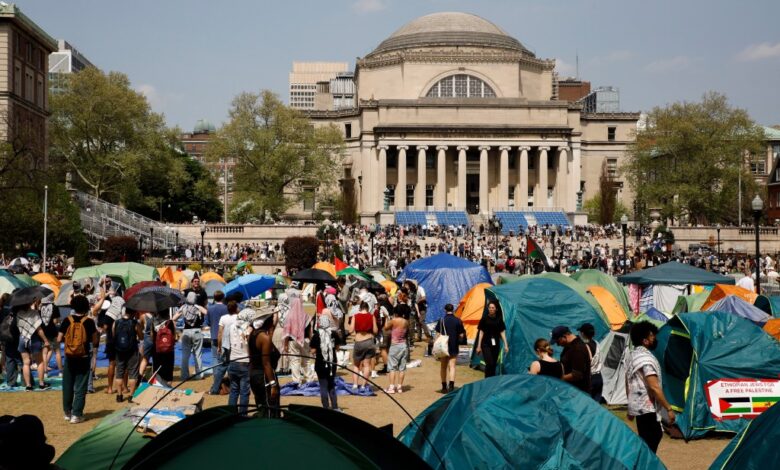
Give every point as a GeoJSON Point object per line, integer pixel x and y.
{"type": "Point", "coordinates": [390, 286]}
{"type": "Point", "coordinates": [210, 276]}
{"type": "Point", "coordinates": [722, 290]}
{"type": "Point", "coordinates": [615, 313]}
{"type": "Point", "coordinates": [325, 266]}
{"type": "Point", "coordinates": [180, 280]}
{"type": "Point", "coordinates": [471, 307]}
{"type": "Point", "coordinates": [48, 278]}
{"type": "Point", "coordinates": [166, 274]}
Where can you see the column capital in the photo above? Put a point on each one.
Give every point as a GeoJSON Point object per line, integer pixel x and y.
{"type": "Point", "coordinates": [382, 147]}
{"type": "Point", "coordinates": [563, 149]}
{"type": "Point", "coordinates": [403, 147]}
{"type": "Point", "coordinates": [441, 147]}
{"type": "Point", "coordinates": [463, 147]}
{"type": "Point", "coordinates": [546, 149]}
{"type": "Point", "coordinates": [524, 148]}
{"type": "Point", "coordinates": [422, 147]}
{"type": "Point", "coordinates": [484, 147]}
{"type": "Point", "coordinates": [505, 148]}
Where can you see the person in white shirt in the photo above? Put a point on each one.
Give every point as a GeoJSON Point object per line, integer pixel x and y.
{"type": "Point", "coordinates": [747, 282]}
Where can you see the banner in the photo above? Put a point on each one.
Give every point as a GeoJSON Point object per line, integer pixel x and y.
{"type": "Point", "coordinates": [741, 398]}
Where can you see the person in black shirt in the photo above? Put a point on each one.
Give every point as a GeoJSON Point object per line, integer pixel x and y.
{"type": "Point", "coordinates": [202, 297]}
{"type": "Point", "coordinates": [546, 365]}
{"type": "Point", "coordinates": [575, 358]}
{"type": "Point", "coordinates": [76, 370]}
{"type": "Point", "coordinates": [490, 332]}
{"type": "Point", "coordinates": [451, 326]}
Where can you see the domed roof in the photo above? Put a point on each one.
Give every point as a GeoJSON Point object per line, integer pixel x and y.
{"type": "Point", "coordinates": [450, 29]}
{"type": "Point", "coordinates": [203, 126]}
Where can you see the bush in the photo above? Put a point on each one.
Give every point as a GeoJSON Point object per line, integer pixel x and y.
{"type": "Point", "coordinates": [300, 252]}
{"type": "Point", "coordinates": [195, 267]}
{"type": "Point", "coordinates": [118, 249]}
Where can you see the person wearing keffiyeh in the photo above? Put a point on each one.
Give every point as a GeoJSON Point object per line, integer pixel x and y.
{"type": "Point", "coordinates": [32, 342]}
{"type": "Point", "coordinates": [296, 342]}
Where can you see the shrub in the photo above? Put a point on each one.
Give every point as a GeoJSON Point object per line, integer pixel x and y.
{"type": "Point", "coordinates": [117, 249]}
{"type": "Point", "coordinates": [300, 252]}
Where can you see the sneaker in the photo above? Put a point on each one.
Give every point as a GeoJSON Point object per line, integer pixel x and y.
{"type": "Point", "coordinates": [338, 410]}
{"type": "Point", "coordinates": [399, 389]}
{"type": "Point", "coordinates": [28, 389]}
{"type": "Point", "coordinates": [67, 417]}
{"type": "Point", "coordinates": [91, 390]}
{"type": "Point", "coordinates": [44, 386]}
{"type": "Point", "coordinates": [76, 419]}
{"type": "Point", "coordinates": [354, 387]}
{"type": "Point", "coordinates": [374, 374]}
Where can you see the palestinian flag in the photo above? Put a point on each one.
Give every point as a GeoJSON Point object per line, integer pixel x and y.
{"type": "Point", "coordinates": [735, 406]}
{"type": "Point", "coordinates": [339, 264]}
{"type": "Point", "coordinates": [534, 251]}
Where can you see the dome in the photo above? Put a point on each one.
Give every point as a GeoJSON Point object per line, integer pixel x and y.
{"type": "Point", "coordinates": [450, 29]}
{"type": "Point", "coordinates": [203, 126]}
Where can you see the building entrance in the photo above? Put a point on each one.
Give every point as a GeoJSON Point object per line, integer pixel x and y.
{"type": "Point", "coordinates": [472, 194]}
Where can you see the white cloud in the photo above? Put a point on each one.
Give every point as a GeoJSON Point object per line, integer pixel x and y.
{"type": "Point", "coordinates": [151, 94]}
{"type": "Point", "coordinates": [368, 6]}
{"type": "Point", "coordinates": [666, 65]}
{"type": "Point", "coordinates": [765, 50]}
{"type": "Point", "coordinates": [564, 68]}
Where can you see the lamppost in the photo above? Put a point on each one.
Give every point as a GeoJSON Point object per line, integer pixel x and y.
{"type": "Point", "coordinates": [495, 224]}
{"type": "Point", "coordinates": [717, 230]}
{"type": "Point", "coordinates": [176, 248]}
{"type": "Point", "coordinates": [202, 246]}
{"type": "Point", "coordinates": [624, 225]}
{"type": "Point", "coordinates": [151, 241]}
{"type": "Point", "coordinates": [45, 224]}
{"type": "Point", "coordinates": [758, 207]}
{"type": "Point", "coordinates": [327, 223]}
{"type": "Point", "coordinates": [371, 234]}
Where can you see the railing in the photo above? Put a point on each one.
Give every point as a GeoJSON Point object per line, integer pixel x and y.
{"type": "Point", "coordinates": [761, 231]}
{"type": "Point", "coordinates": [225, 228]}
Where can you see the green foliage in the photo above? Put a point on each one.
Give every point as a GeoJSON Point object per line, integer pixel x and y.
{"type": "Point", "coordinates": [666, 234]}
{"type": "Point", "coordinates": [118, 249]}
{"type": "Point", "coordinates": [689, 159]}
{"type": "Point", "coordinates": [197, 267]}
{"type": "Point", "coordinates": [593, 207]}
{"type": "Point", "coordinates": [278, 152]}
{"type": "Point", "coordinates": [300, 252]}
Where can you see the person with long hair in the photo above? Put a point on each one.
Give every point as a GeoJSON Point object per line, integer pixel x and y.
{"type": "Point", "coordinates": [263, 360]}
{"type": "Point", "coordinates": [323, 348]}
{"type": "Point", "coordinates": [363, 325]}
{"type": "Point", "coordinates": [546, 364]}
{"type": "Point", "coordinates": [451, 326]}
{"type": "Point", "coordinates": [490, 333]}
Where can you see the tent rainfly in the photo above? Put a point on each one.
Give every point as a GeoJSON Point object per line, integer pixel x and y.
{"type": "Point", "coordinates": [674, 273]}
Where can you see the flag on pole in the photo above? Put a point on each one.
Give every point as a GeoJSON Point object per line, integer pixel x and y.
{"type": "Point", "coordinates": [339, 264]}
{"type": "Point", "coordinates": [534, 251]}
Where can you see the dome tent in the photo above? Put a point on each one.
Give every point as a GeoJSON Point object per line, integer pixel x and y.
{"type": "Point", "coordinates": [594, 277]}
{"type": "Point", "coordinates": [749, 450]}
{"type": "Point", "coordinates": [445, 278]}
{"type": "Point", "coordinates": [524, 421]}
{"type": "Point", "coordinates": [471, 307]}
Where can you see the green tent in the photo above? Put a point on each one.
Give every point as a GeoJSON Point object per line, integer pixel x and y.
{"type": "Point", "coordinates": [575, 286]}
{"type": "Point", "coordinates": [27, 280]}
{"type": "Point", "coordinates": [532, 307]}
{"type": "Point", "coordinates": [505, 278]}
{"type": "Point", "coordinates": [755, 447]}
{"type": "Point", "coordinates": [590, 277]}
{"type": "Point", "coordinates": [9, 282]}
{"type": "Point", "coordinates": [524, 421]}
{"type": "Point", "coordinates": [98, 447]}
{"type": "Point", "coordinates": [695, 348]}
{"type": "Point", "coordinates": [130, 273]}
{"type": "Point", "coordinates": [690, 303]}
{"type": "Point", "coordinates": [675, 273]}
{"type": "Point", "coordinates": [354, 272]}
{"type": "Point", "coordinates": [770, 304]}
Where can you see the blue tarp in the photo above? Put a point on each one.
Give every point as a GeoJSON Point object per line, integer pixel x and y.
{"type": "Point", "coordinates": [312, 389]}
{"type": "Point", "coordinates": [734, 305]}
{"type": "Point", "coordinates": [446, 279]}
{"type": "Point", "coordinates": [656, 314]}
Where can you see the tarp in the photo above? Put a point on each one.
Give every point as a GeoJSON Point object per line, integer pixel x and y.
{"type": "Point", "coordinates": [524, 422]}
{"type": "Point", "coordinates": [611, 307]}
{"type": "Point", "coordinates": [755, 447]}
{"type": "Point", "coordinates": [130, 273]}
{"type": "Point", "coordinates": [470, 308]}
{"type": "Point", "coordinates": [694, 348]}
{"type": "Point", "coordinates": [532, 307]}
{"type": "Point", "coordinates": [735, 305]}
{"type": "Point", "coordinates": [445, 278]}
{"type": "Point", "coordinates": [594, 277]}
{"type": "Point", "coordinates": [720, 291]}
{"type": "Point", "coordinates": [674, 273]}
{"type": "Point", "coordinates": [655, 314]}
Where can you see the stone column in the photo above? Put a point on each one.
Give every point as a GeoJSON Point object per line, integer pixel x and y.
{"type": "Point", "coordinates": [400, 188]}
{"type": "Point", "coordinates": [382, 174]}
{"type": "Point", "coordinates": [561, 179]}
{"type": "Point", "coordinates": [440, 193]}
{"type": "Point", "coordinates": [522, 169]}
{"type": "Point", "coordinates": [419, 188]}
{"type": "Point", "coordinates": [575, 174]}
{"type": "Point", "coordinates": [542, 171]}
{"type": "Point", "coordinates": [462, 177]}
{"type": "Point", "coordinates": [503, 178]}
{"type": "Point", "coordinates": [483, 179]}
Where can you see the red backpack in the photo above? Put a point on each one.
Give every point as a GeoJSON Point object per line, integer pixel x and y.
{"type": "Point", "coordinates": [164, 339]}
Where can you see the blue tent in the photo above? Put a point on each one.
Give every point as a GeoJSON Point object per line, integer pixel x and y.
{"type": "Point", "coordinates": [446, 279]}
{"type": "Point", "coordinates": [734, 305]}
{"type": "Point", "coordinates": [524, 421]}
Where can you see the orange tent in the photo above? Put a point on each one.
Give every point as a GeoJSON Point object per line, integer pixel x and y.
{"type": "Point", "coordinates": [180, 280]}
{"type": "Point", "coordinates": [325, 266]}
{"type": "Point", "coordinates": [772, 327]}
{"type": "Point", "coordinates": [722, 290]}
{"type": "Point", "coordinates": [471, 307]}
{"type": "Point", "coordinates": [48, 278]}
{"type": "Point", "coordinates": [615, 314]}
{"type": "Point", "coordinates": [210, 276]}
{"type": "Point", "coordinates": [390, 286]}
{"type": "Point", "coordinates": [166, 274]}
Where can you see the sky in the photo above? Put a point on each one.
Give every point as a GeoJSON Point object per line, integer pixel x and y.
{"type": "Point", "coordinates": [191, 57]}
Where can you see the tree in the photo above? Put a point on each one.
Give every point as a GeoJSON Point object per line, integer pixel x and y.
{"type": "Point", "coordinates": [300, 252]}
{"type": "Point", "coordinates": [278, 154]}
{"type": "Point", "coordinates": [105, 131]}
{"type": "Point", "coordinates": [593, 207]}
{"type": "Point", "coordinates": [608, 195]}
{"type": "Point", "coordinates": [691, 156]}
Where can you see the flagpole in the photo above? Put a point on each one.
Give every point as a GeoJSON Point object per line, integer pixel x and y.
{"type": "Point", "coordinates": [45, 223]}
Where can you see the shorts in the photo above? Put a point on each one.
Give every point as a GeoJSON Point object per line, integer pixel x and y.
{"type": "Point", "coordinates": [386, 342]}
{"type": "Point", "coordinates": [35, 346]}
{"type": "Point", "coordinates": [396, 357]}
{"type": "Point", "coordinates": [364, 350]}
{"type": "Point", "coordinates": [127, 362]}
{"type": "Point", "coordinates": [148, 348]}
{"type": "Point", "coordinates": [110, 351]}
{"type": "Point", "coordinates": [51, 331]}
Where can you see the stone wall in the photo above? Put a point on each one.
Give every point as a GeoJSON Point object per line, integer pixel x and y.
{"type": "Point", "coordinates": [741, 240]}
{"type": "Point", "coordinates": [233, 233]}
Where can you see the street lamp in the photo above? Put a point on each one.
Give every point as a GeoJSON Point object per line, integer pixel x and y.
{"type": "Point", "coordinates": [176, 248]}
{"type": "Point", "coordinates": [758, 207]}
{"type": "Point", "coordinates": [717, 230]}
{"type": "Point", "coordinates": [327, 223]}
{"type": "Point", "coordinates": [495, 224]}
{"type": "Point", "coordinates": [624, 224]}
{"type": "Point", "coordinates": [202, 246]}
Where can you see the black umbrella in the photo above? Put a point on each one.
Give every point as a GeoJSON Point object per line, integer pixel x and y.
{"type": "Point", "coordinates": [151, 301]}
{"type": "Point", "coordinates": [26, 296]}
{"type": "Point", "coordinates": [371, 286]}
{"type": "Point", "coordinates": [314, 275]}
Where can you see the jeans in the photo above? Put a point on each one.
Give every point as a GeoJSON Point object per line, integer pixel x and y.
{"type": "Point", "coordinates": [191, 343]}
{"type": "Point", "coordinates": [490, 355]}
{"type": "Point", "coordinates": [92, 366]}
{"type": "Point", "coordinates": [219, 367]}
{"type": "Point", "coordinates": [75, 376]}
{"type": "Point", "coordinates": [597, 387]}
{"type": "Point", "coordinates": [328, 392]}
{"type": "Point", "coordinates": [239, 386]}
{"type": "Point", "coordinates": [13, 366]}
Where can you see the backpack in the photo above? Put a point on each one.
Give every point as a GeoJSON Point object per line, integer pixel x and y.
{"type": "Point", "coordinates": [6, 334]}
{"type": "Point", "coordinates": [75, 339]}
{"type": "Point", "coordinates": [125, 336]}
{"type": "Point", "coordinates": [163, 339]}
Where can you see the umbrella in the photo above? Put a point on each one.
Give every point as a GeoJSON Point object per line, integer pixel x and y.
{"type": "Point", "coordinates": [354, 272]}
{"type": "Point", "coordinates": [213, 286]}
{"type": "Point", "coordinates": [211, 276]}
{"type": "Point", "coordinates": [164, 290]}
{"type": "Point", "coordinates": [136, 288]}
{"type": "Point", "coordinates": [7, 285]}
{"type": "Point", "coordinates": [313, 275]}
{"type": "Point", "coordinates": [152, 302]}
{"type": "Point", "coordinates": [19, 262]}
{"type": "Point", "coordinates": [371, 285]}
{"type": "Point", "coordinates": [26, 296]}
{"type": "Point", "coordinates": [390, 286]}
{"type": "Point", "coordinates": [250, 285]}
{"type": "Point", "coordinates": [327, 267]}
{"type": "Point", "coordinates": [63, 297]}
{"type": "Point", "coordinates": [32, 255]}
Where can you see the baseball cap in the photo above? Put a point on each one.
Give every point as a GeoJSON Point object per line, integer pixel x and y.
{"type": "Point", "coordinates": [559, 332]}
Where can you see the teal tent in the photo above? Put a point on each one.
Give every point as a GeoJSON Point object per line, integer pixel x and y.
{"type": "Point", "coordinates": [675, 273]}
{"type": "Point", "coordinates": [130, 273]}
{"type": "Point", "coordinates": [695, 348]}
{"type": "Point", "coordinates": [524, 421]}
{"type": "Point", "coordinates": [594, 277]}
{"type": "Point", "coordinates": [532, 307]}
{"type": "Point", "coordinates": [575, 286]}
{"type": "Point", "coordinates": [98, 447]}
{"type": "Point", "coordinates": [755, 448]}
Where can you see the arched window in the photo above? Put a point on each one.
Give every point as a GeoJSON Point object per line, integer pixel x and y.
{"type": "Point", "coordinates": [461, 86]}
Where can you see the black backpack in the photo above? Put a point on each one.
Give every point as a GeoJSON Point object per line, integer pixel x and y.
{"type": "Point", "coordinates": [6, 329]}
{"type": "Point", "coordinates": [125, 337]}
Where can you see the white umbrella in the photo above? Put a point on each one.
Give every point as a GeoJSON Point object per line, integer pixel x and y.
{"type": "Point", "coordinates": [21, 261]}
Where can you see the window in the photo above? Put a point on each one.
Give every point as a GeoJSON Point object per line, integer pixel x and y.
{"type": "Point", "coordinates": [392, 157]}
{"type": "Point", "coordinates": [611, 134]}
{"type": "Point", "coordinates": [757, 166]}
{"type": "Point", "coordinates": [18, 79]}
{"type": "Point", "coordinates": [409, 195]}
{"type": "Point", "coordinates": [429, 195]}
{"type": "Point", "coordinates": [511, 196]}
{"type": "Point", "coordinates": [308, 200]}
{"type": "Point", "coordinates": [348, 130]}
{"type": "Point", "coordinates": [39, 92]}
{"type": "Point", "coordinates": [29, 85]}
{"type": "Point", "coordinates": [29, 51]}
{"type": "Point", "coordinates": [612, 167]}
{"type": "Point", "coordinates": [530, 197]}
{"type": "Point", "coordinates": [461, 86]}
{"type": "Point", "coordinates": [776, 150]}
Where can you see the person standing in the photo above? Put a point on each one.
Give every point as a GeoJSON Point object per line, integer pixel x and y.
{"type": "Point", "coordinates": [214, 313]}
{"type": "Point", "coordinates": [587, 334]}
{"type": "Point", "coordinates": [644, 388]}
{"type": "Point", "coordinates": [323, 348]}
{"type": "Point", "coordinates": [238, 369]}
{"type": "Point", "coordinates": [491, 331]}
{"type": "Point", "coordinates": [575, 358]}
{"type": "Point", "coordinates": [192, 336]}
{"type": "Point", "coordinates": [296, 342]}
{"type": "Point", "coordinates": [546, 365]}
{"type": "Point", "coordinates": [50, 316]}
{"type": "Point", "coordinates": [32, 343]}
{"type": "Point", "coordinates": [80, 334]}
{"type": "Point", "coordinates": [363, 325]}
{"type": "Point", "coordinates": [397, 329]}
{"type": "Point", "coordinates": [202, 297]}
{"type": "Point", "coordinates": [263, 360]}
{"type": "Point", "coordinates": [164, 346]}
{"type": "Point", "coordinates": [127, 334]}
{"type": "Point", "coordinates": [451, 326]}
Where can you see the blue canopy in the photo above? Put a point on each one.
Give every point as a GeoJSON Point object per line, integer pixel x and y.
{"type": "Point", "coordinates": [446, 279]}
{"type": "Point", "coordinates": [250, 285]}
{"type": "Point", "coordinates": [734, 305]}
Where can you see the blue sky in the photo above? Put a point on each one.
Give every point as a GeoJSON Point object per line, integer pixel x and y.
{"type": "Point", "coordinates": [192, 57]}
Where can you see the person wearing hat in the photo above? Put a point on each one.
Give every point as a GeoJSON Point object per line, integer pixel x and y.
{"type": "Point", "coordinates": [451, 326]}
{"type": "Point", "coordinates": [587, 335]}
{"type": "Point", "coordinates": [575, 358]}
